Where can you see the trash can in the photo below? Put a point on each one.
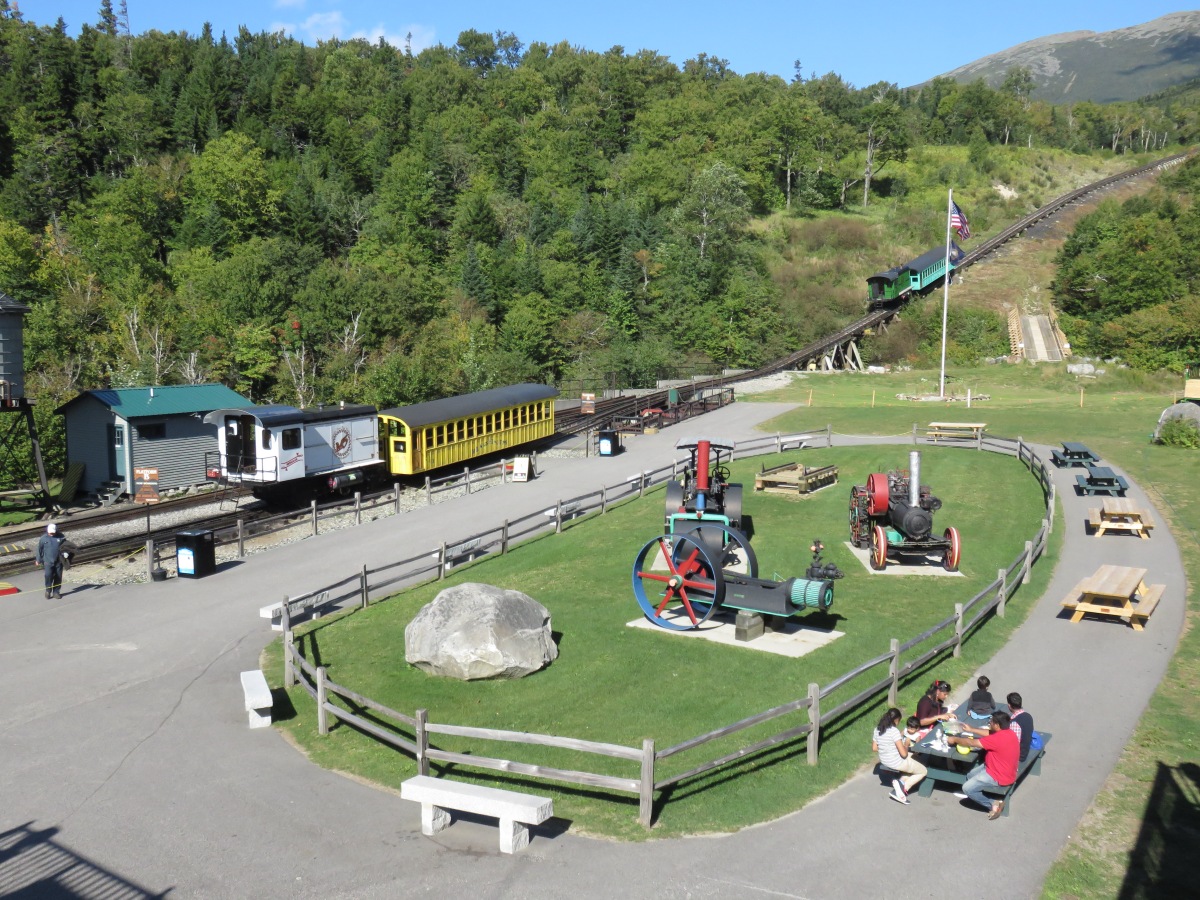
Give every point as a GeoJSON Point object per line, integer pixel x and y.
{"type": "Point", "coordinates": [608, 443]}
{"type": "Point", "coordinates": [195, 554]}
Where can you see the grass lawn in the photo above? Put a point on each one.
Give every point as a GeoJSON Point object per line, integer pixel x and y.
{"type": "Point", "coordinates": [621, 685]}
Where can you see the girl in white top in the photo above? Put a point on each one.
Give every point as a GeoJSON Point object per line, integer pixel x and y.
{"type": "Point", "coordinates": [893, 750]}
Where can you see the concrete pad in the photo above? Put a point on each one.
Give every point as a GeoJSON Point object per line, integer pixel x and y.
{"type": "Point", "coordinates": [792, 638]}
{"type": "Point", "coordinates": [931, 566]}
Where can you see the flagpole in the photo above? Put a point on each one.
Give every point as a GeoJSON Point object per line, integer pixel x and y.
{"type": "Point", "coordinates": [946, 295]}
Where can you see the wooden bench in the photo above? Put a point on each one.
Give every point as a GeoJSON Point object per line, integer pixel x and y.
{"type": "Point", "coordinates": [313, 604]}
{"type": "Point", "coordinates": [258, 698]}
{"type": "Point", "coordinates": [1032, 764]}
{"type": "Point", "coordinates": [961, 431]}
{"type": "Point", "coordinates": [1146, 602]}
{"type": "Point", "coordinates": [515, 811]}
{"type": "Point", "coordinates": [1094, 517]}
{"type": "Point", "coordinates": [1116, 488]}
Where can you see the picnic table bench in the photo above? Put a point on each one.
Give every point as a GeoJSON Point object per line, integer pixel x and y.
{"type": "Point", "coordinates": [1117, 591]}
{"type": "Point", "coordinates": [1120, 514]}
{"type": "Point", "coordinates": [1073, 454]}
{"type": "Point", "coordinates": [1101, 480]}
{"type": "Point", "coordinates": [961, 431]}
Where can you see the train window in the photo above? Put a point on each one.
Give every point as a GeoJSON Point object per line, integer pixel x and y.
{"type": "Point", "coordinates": [398, 446]}
{"type": "Point", "coordinates": [470, 428]}
{"type": "Point", "coordinates": [290, 439]}
{"type": "Point", "coordinates": [430, 438]}
{"type": "Point", "coordinates": [506, 418]}
{"type": "Point", "coordinates": [395, 428]}
{"type": "Point", "coordinates": [266, 438]}
{"type": "Point", "coordinates": [524, 415]}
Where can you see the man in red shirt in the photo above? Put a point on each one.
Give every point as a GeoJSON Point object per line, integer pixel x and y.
{"type": "Point", "coordinates": [999, 767]}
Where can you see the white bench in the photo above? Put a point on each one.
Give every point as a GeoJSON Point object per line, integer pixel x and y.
{"type": "Point", "coordinates": [258, 698]}
{"type": "Point", "coordinates": [515, 811]}
{"type": "Point", "coordinates": [274, 611]}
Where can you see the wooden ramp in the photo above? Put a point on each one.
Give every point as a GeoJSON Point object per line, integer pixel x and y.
{"type": "Point", "coordinates": [1040, 342]}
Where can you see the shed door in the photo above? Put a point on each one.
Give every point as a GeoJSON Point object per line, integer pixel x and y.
{"type": "Point", "coordinates": [116, 452]}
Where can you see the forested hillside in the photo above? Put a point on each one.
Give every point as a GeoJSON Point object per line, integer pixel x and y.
{"type": "Point", "coordinates": [355, 221]}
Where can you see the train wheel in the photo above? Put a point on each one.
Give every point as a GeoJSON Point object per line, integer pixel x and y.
{"type": "Point", "coordinates": [879, 548]}
{"type": "Point", "coordinates": [690, 585]}
{"type": "Point", "coordinates": [954, 551]}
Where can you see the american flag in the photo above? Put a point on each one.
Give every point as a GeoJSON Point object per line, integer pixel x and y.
{"type": "Point", "coordinates": [958, 221]}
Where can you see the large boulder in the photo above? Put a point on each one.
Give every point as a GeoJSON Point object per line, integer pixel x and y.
{"type": "Point", "coordinates": [475, 631]}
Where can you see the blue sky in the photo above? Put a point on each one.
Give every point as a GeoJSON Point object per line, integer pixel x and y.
{"type": "Point", "coordinates": [864, 42]}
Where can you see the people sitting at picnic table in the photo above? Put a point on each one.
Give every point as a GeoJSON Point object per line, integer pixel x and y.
{"type": "Point", "coordinates": [892, 748]}
{"type": "Point", "coordinates": [981, 705]}
{"type": "Point", "coordinates": [999, 766]}
{"type": "Point", "coordinates": [931, 708]}
{"type": "Point", "coordinates": [913, 732]}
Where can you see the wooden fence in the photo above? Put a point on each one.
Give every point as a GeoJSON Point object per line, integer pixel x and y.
{"type": "Point", "coordinates": [893, 667]}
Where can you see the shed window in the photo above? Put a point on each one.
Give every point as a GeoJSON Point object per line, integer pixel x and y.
{"type": "Point", "coordinates": [154, 431]}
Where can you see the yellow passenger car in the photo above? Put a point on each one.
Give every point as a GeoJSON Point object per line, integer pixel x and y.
{"type": "Point", "coordinates": [424, 436]}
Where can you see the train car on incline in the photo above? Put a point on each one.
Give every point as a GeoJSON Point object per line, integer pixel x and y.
{"type": "Point", "coordinates": [441, 433]}
{"type": "Point", "coordinates": [918, 276]}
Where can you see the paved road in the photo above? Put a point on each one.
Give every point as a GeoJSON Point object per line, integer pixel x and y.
{"type": "Point", "coordinates": [129, 770]}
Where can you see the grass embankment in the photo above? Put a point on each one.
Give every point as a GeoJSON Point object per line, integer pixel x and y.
{"type": "Point", "coordinates": [1143, 828]}
{"type": "Point", "coordinates": [616, 684]}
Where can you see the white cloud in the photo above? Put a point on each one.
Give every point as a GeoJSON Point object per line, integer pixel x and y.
{"type": "Point", "coordinates": [422, 37]}
{"type": "Point", "coordinates": [287, 4]}
{"type": "Point", "coordinates": [323, 26]}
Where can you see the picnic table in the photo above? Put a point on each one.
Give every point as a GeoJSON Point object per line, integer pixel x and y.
{"type": "Point", "coordinates": [1073, 454]}
{"type": "Point", "coordinates": [1120, 514]}
{"type": "Point", "coordinates": [1102, 480]}
{"type": "Point", "coordinates": [947, 766]}
{"type": "Point", "coordinates": [960, 431]}
{"type": "Point", "coordinates": [1117, 591]}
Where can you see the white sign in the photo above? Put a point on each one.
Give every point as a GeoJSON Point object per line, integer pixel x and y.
{"type": "Point", "coordinates": [521, 469]}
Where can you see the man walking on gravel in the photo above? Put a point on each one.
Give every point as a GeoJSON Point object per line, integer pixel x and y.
{"type": "Point", "coordinates": [50, 558]}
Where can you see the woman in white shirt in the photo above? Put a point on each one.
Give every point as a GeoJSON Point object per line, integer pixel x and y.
{"type": "Point", "coordinates": [893, 750]}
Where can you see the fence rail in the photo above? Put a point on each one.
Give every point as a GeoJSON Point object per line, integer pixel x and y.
{"type": "Point", "coordinates": [990, 600]}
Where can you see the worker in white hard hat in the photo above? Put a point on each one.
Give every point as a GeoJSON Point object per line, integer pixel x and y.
{"type": "Point", "coordinates": [50, 558]}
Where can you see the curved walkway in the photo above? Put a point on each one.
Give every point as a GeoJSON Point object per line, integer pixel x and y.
{"type": "Point", "coordinates": [129, 770]}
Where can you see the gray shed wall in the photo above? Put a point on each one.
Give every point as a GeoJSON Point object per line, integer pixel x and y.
{"type": "Point", "coordinates": [12, 353]}
{"type": "Point", "coordinates": [179, 457]}
{"type": "Point", "coordinates": [86, 424]}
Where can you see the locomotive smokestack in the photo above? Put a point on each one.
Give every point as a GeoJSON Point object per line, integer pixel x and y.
{"type": "Point", "coordinates": [914, 478]}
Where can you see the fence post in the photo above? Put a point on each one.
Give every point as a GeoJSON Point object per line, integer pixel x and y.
{"type": "Point", "coordinates": [1028, 562]}
{"type": "Point", "coordinates": [814, 718]}
{"type": "Point", "coordinates": [533, 469]}
{"type": "Point", "coordinates": [322, 721]}
{"type": "Point", "coordinates": [358, 507]}
{"type": "Point", "coordinates": [289, 668]}
{"type": "Point", "coordinates": [958, 629]}
{"type": "Point", "coordinates": [442, 562]}
{"type": "Point", "coordinates": [428, 492]}
{"type": "Point", "coordinates": [422, 741]}
{"type": "Point", "coordinates": [894, 672]}
{"type": "Point", "coordinates": [285, 616]}
{"type": "Point", "coordinates": [1021, 450]}
{"type": "Point", "coordinates": [1002, 594]}
{"type": "Point", "coordinates": [829, 435]}
{"type": "Point", "coordinates": [366, 594]}
{"type": "Point", "coordinates": [241, 538]}
{"type": "Point", "coordinates": [1050, 508]}
{"type": "Point", "coordinates": [778, 443]}
{"type": "Point", "coordinates": [603, 499]}
{"type": "Point", "coordinates": [642, 485]}
{"type": "Point", "coordinates": [151, 559]}
{"type": "Point", "coordinates": [558, 517]}
{"type": "Point", "coordinates": [914, 433]}
{"type": "Point", "coordinates": [396, 488]}
{"type": "Point", "coordinates": [979, 440]}
{"type": "Point", "coordinates": [504, 538]}
{"type": "Point", "coordinates": [646, 792]}
{"type": "Point", "coordinates": [314, 518]}
{"type": "Point", "coordinates": [467, 477]}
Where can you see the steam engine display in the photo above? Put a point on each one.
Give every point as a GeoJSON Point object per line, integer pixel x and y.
{"type": "Point", "coordinates": [918, 276]}
{"type": "Point", "coordinates": [278, 450]}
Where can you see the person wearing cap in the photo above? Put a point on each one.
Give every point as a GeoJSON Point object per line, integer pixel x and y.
{"type": "Point", "coordinates": [49, 557]}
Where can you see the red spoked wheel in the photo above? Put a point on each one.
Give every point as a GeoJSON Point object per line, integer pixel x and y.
{"type": "Point", "coordinates": [954, 552]}
{"type": "Point", "coordinates": [684, 594]}
{"type": "Point", "coordinates": [879, 548]}
{"type": "Point", "coordinates": [877, 491]}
